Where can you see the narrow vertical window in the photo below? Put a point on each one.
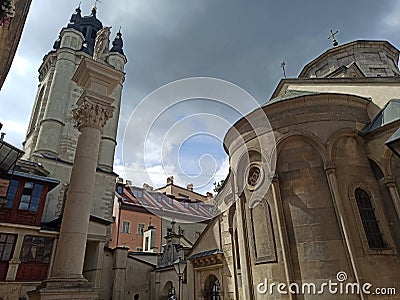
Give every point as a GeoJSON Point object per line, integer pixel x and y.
{"type": "Point", "coordinates": [236, 241]}
{"type": "Point", "coordinates": [30, 197]}
{"type": "Point", "coordinates": [126, 227]}
{"type": "Point", "coordinates": [12, 191]}
{"type": "Point", "coordinates": [369, 221]}
{"type": "Point", "coordinates": [7, 244]}
{"type": "Point", "coordinates": [140, 229]}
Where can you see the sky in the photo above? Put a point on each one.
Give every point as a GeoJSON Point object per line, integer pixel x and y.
{"type": "Point", "coordinates": [194, 68]}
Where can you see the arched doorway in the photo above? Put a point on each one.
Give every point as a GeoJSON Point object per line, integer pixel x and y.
{"type": "Point", "coordinates": [212, 288]}
{"type": "Point", "coordinates": [168, 292]}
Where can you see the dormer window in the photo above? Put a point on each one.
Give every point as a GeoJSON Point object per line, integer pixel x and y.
{"type": "Point", "coordinates": [138, 193]}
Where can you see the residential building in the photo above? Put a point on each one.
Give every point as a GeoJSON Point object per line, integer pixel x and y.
{"type": "Point", "coordinates": [13, 15]}
{"type": "Point", "coordinates": [141, 212]}
{"type": "Point", "coordinates": [26, 245]}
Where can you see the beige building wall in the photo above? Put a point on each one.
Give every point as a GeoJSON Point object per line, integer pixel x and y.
{"type": "Point", "coordinates": [52, 131]}
{"type": "Point", "coordinates": [317, 229]}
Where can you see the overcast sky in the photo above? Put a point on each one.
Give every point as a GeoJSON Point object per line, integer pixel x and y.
{"type": "Point", "coordinates": [241, 42]}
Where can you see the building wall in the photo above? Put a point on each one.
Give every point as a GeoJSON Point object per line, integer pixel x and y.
{"type": "Point", "coordinates": [133, 240]}
{"type": "Point", "coordinates": [13, 288]}
{"type": "Point", "coordinates": [380, 92]}
{"type": "Point", "coordinates": [316, 225]}
{"type": "Point", "coordinates": [52, 130]}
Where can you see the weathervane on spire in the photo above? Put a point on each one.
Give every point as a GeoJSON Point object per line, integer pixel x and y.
{"type": "Point", "coordinates": [283, 65]}
{"type": "Point", "coordinates": [95, 3]}
{"type": "Point", "coordinates": [332, 36]}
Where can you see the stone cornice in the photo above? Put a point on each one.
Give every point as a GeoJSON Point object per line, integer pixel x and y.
{"type": "Point", "coordinates": [335, 81]}
{"type": "Point", "coordinates": [309, 108]}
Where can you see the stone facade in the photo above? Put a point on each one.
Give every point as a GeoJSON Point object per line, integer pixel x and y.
{"type": "Point", "coordinates": [296, 213]}
{"type": "Point", "coordinates": [52, 133]}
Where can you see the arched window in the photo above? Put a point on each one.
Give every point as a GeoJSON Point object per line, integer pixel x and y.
{"type": "Point", "coordinates": [236, 245]}
{"type": "Point", "coordinates": [212, 288]}
{"type": "Point", "coordinates": [369, 221]}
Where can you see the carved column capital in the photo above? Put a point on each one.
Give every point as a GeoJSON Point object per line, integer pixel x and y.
{"type": "Point", "coordinates": [329, 167]}
{"type": "Point", "coordinates": [388, 181]}
{"type": "Point", "coordinates": [92, 111]}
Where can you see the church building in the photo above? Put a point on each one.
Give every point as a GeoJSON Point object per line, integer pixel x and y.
{"type": "Point", "coordinates": [312, 197]}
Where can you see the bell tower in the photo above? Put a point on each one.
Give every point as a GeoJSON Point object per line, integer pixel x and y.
{"type": "Point", "coordinates": [52, 134]}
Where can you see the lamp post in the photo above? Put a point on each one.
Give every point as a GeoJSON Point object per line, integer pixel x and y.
{"type": "Point", "coordinates": [394, 142]}
{"type": "Point", "coordinates": [180, 266]}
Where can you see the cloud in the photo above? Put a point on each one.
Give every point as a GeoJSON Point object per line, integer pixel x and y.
{"type": "Point", "coordinates": [165, 41]}
{"type": "Point", "coordinates": [391, 21]}
{"type": "Point", "coordinates": [22, 66]}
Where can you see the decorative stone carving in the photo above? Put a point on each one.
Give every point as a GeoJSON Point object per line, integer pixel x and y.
{"type": "Point", "coordinates": [91, 113]}
{"type": "Point", "coordinates": [102, 44]}
{"type": "Point", "coordinates": [254, 176]}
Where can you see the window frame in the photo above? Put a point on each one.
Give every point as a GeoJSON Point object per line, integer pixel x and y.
{"type": "Point", "coordinates": [379, 216]}
{"type": "Point", "coordinates": [141, 229]}
{"type": "Point", "coordinates": [123, 227]}
{"type": "Point", "coordinates": [40, 250]}
{"type": "Point", "coordinates": [15, 193]}
{"type": "Point", "coordinates": [5, 243]}
{"type": "Point", "coordinates": [31, 196]}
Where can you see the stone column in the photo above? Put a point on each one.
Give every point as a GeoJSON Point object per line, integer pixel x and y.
{"type": "Point", "coordinates": [330, 171]}
{"type": "Point", "coordinates": [247, 282]}
{"type": "Point", "coordinates": [15, 261]}
{"type": "Point", "coordinates": [119, 268]}
{"type": "Point", "coordinates": [93, 111]}
{"type": "Point", "coordinates": [391, 186]}
{"type": "Point", "coordinates": [283, 234]}
{"type": "Point", "coordinates": [91, 116]}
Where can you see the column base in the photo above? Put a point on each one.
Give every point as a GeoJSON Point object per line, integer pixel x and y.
{"type": "Point", "coordinates": [64, 288]}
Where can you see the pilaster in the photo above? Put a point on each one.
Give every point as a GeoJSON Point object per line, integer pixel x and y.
{"type": "Point", "coordinates": [391, 186]}
{"type": "Point", "coordinates": [15, 261]}
{"type": "Point", "coordinates": [330, 171]}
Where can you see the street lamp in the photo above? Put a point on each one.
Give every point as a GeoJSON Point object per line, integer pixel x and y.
{"type": "Point", "coordinates": [394, 142]}
{"type": "Point", "coordinates": [180, 266]}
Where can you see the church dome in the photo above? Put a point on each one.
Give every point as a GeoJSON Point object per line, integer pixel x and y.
{"type": "Point", "coordinates": [355, 59]}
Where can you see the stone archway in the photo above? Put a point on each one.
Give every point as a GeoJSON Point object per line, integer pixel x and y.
{"type": "Point", "coordinates": [212, 288]}
{"type": "Point", "coordinates": [167, 291]}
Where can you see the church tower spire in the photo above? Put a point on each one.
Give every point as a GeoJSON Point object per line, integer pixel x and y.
{"type": "Point", "coordinates": [118, 44]}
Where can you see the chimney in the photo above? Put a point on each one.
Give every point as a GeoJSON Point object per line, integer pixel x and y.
{"type": "Point", "coordinates": [128, 182]}
{"type": "Point", "coordinates": [189, 187]}
{"type": "Point", "coordinates": [170, 180]}
{"type": "Point", "coordinates": [209, 196]}
{"type": "Point", "coordinates": [147, 187]}
{"type": "Point", "coordinates": [3, 134]}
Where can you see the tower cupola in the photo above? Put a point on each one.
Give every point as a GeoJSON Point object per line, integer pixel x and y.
{"type": "Point", "coordinates": [87, 25]}
{"type": "Point", "coordinates": [76, 18]}
{"type": "Point", "coordinates": [118, 44]}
